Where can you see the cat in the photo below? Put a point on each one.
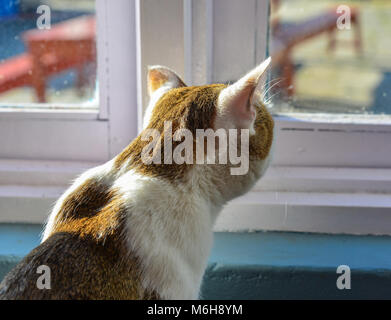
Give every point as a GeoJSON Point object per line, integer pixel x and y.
{"type": "Point", "coordinates": [130, 230]}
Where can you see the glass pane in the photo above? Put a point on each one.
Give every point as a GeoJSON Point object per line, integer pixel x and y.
{"type": "Point", "coordinates": [331, 58]}
{"type": "Point", "coordinates": [47, 53]}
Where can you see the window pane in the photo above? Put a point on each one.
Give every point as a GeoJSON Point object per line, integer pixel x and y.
{"type": "Point", "coordinates": [47, 53]}
{"type": "Point", "coordinates": [331, 58]}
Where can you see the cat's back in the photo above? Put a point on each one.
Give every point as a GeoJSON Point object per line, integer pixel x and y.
{"type": "Point", "coordinates": [79, 269]}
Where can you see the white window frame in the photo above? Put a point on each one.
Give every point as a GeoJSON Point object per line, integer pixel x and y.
{"type": "Point", "coordinates": [43, 150]}
{"type": "Point", "coordinates": [84, 134]}
{"type": "Point", "coordinates": [313, 185]}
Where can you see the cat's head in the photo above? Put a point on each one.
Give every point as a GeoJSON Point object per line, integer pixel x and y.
{"type": "Point", "coordinates": [175, 108]}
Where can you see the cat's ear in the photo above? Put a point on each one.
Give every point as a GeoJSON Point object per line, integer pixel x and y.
{"type": "Point", "coordinates": [159, 76]}
{"type": "Point", "coordinates": [235, 103]}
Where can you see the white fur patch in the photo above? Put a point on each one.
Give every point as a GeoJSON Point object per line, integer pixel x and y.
{"type": "Point", "coordinates": [170, 230]}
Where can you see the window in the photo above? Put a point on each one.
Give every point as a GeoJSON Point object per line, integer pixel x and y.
{"type": "Point", "coordinates": [331, 169]}
{"type": "Point", "coordinates": [48, 54]}
{"type": "Point", "coordinates": [43, 146]}
{"type": "Point", "coordinates": [330, 83]}
{"type": "Point", "coordinates": [87, 81]}
{"type": "Point", "coordinates": [331, 58]}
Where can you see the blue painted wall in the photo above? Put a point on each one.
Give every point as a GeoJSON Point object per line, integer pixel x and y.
{"type": "Point", "coordinates": [266, 265]}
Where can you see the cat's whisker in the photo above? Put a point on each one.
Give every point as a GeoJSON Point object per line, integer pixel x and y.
{"type": "Point", "coordinates": [272, 96]}
{"type": "Point", "coordinates": [271, 87]}
{"type": "Point", "coordinates": [269, 82]}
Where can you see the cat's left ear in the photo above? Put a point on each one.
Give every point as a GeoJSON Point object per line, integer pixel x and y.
{"type": "Point", "coordinates": [159, 76]}
{"type": "Point", "coordinates": [235, 103]}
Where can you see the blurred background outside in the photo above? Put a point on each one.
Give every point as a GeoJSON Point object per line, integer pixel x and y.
{"type": "Point", "coordinates": [57, 65]}
{"type": "Point", "coordinates": [326, 69]}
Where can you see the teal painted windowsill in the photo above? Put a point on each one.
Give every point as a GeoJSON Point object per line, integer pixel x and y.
{"type": "Point", "coordinates": [266, 265]}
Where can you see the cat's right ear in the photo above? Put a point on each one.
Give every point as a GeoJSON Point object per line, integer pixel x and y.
{"type": "Point", "coordinates": [235, 104]}
{"type": "Point", "coordinates": [159, 76]}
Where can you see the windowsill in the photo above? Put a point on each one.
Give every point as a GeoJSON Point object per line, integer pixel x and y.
{"type": "Point", "coordinates": [265, 265]}
{"type": "Point", "coordinates": [334, 213]}
{"type": "Point", "coordinates": [318, 117]}
{"type": "Point", "coordinates": [304, 199]}
{"type": "Point", "coordinates": [55, 113]}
